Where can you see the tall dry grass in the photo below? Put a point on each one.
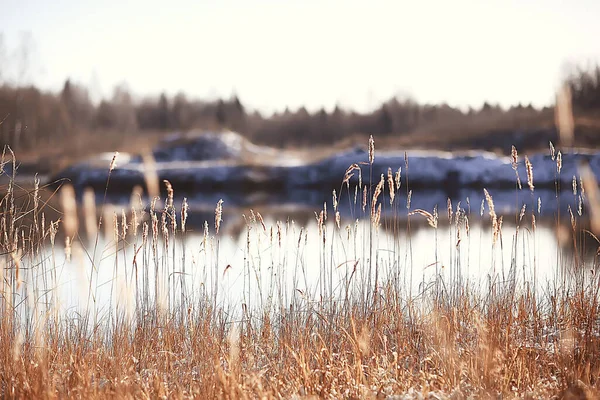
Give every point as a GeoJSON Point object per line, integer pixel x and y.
{"type": "Point", "coordinates": [371, 336]}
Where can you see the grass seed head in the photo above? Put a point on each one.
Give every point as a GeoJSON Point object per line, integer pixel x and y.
{"type": "Point", "coordinates": [184, 214]}
{"type": "Point", "coordinates": [378, 190]}
{"type": "Point", "coordinates": [218, 215]}
{"type": "Point", "coordinates": [371, 150]}
{"type": "Point", "coordinates": [378, 216]}
{"type": "Point", "coordinates": [431, 218]}
{"type": "Point", "coordinates": [522, 213]}
{"type": "Point", "coordinates": [113, 163]}
{"type": "Point", "coordinates": [493, 216]}
{"type": "Point", "coordinates": [334, 200]}
{"type": "Point", "coordinates": [529, 173]}
{"type": "Point", "coordinates": [123, 224]}
{"type": "Point", "coordinates": [573, 223]}
{"type": "Point", "coordinates": [391, 185]}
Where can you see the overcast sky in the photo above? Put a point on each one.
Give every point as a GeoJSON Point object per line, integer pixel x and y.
{"type": "Point", "coordinates": [318, 53]}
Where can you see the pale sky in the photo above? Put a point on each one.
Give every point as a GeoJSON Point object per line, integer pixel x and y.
{"type": "Point", "coordinates": [281, 53]}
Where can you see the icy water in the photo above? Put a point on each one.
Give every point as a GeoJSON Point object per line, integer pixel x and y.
{"type": "Point", "coordinates": [273, 264]}
{"type": "Point", "coordinates": [300, 254]}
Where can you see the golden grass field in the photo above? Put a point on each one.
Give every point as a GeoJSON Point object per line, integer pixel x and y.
{"type": "Point", "coordinates": [370, 338]}
{"type": "Point", "coordinates": [450, 340]}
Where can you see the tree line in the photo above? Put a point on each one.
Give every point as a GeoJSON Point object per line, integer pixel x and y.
{"type": "Point", "coordinates": [30, 117]}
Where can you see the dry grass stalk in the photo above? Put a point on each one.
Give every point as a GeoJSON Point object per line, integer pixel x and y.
{"type": "Point", "coordinates": [206, 235]}
{"type": "Point", "coordinates": [135, 222]}
{"type": "Point", "coordinates": [279, 233]}
{"type": "Point", "coordinates": [16, 259]}
{"type": "Point", "coordinates": [350, 173]}
{"type": "Point", "coordinates": [36, 202]}
{"type": "Point", "coordinates": [378, 190]}
{"type": "Point", "coordinates": [124, 225]}
{"type": "Point", "coordinates": [493, 216]}
{"type": "Point", "coordinates": [320, 221]}
{"type": "Point", "coordinates": [113, 163]}
{"type": "Point", "coordinates": [335, 202]}
{"type": "Point", "coordinates": [498, 231]}
{"type": "Point", "coordinates": [564, 116]}
{"type": "Point", "coordinates": [390, 179]}
{"type": "Point", "coordinates": [558, 162]}
{"type": "Point", "coordinates": [69, 206]}
{"type": "Point", "coordinates": [154, 219]}
{"type": "Point", "coordinates": [261, 220]}
{"type": "Point", "coordinates": [377, 218]}
{"type": "Point", "coordinates": [573, 222]}
{"type": "Point", "coordinates": [431, 218]}
{"type": "Point", "coordinates": [151, 175]}
{"type": "Point", "coordinates": [89, 213]}
{"type": "Point", "coordinates": [184, 214]}
{"type": "Point", "coordinates": [522, 213]}
{"type": "Point", "coordinates": [115, 228]}
{"type": "Point", "coordinates": [218, 215]}
{"type": "Point", "coordinates": [515, 164]}
{"type": "Point", "coordinates": [514, 157]}
{"type": "Point", "coordinates": [145, 233]}
{"type": "Point", "coordinates": [529, 173]}
{"type": "Point", "coordinates": [590, 185]}
{"type": "Point", "coordinates": [371, 150]}
{"type": "Point", "coordinates": [68, 248]}
{"type": "Point", "coordinates": [169, 187]}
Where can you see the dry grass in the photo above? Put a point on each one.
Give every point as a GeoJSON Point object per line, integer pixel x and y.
{"type": "Point", "coordinates": [369, 339]}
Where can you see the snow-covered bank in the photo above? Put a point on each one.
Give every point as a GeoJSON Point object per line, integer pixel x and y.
{"type": "Point", "coordinates": [228, 166]}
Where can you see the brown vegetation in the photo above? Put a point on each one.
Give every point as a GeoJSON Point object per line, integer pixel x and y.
{"type": "Point", "coordinates": [368, 339]}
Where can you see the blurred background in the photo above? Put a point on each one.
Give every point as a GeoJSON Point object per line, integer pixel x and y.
{"type": "Point", "coordinates": [316, 78]}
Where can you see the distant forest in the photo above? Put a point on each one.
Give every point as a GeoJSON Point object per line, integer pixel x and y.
{"type": "Point", "coordinates": [30, 117]}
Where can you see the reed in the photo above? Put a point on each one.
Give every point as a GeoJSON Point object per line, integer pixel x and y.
{"type": "Point", "coordinates": [172, 331]}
